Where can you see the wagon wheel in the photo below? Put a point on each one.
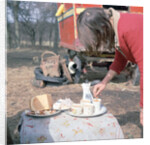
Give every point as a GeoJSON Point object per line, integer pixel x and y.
{"type": "Point", "coordinates": [74, 57]}
{"type": "Point", "coordinates": [77, 60]}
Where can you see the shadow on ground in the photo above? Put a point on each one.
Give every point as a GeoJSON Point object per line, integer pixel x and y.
{"type": "Point", "coordinates": [13, 134]}
{"type": "Point", "coordinates": [130, 117]}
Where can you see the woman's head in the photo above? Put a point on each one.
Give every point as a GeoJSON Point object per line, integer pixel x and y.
{"type": "Point", "coordinates": [95, 30]}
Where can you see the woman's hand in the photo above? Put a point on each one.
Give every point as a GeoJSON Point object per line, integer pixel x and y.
{"type": "Point", "coordinates": [98, 89]}
{"type": "Point", "coordinates": [141, 117]}
{"type": "Point", "coordinates": [101, 86]}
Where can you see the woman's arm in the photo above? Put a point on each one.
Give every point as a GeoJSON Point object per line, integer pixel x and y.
{"type": "Point", "coordinates": [101, 86]}
{"type": "Point", "coordinates": [116, 67]}
{"type": "Point", "coordinates": [109, 76]}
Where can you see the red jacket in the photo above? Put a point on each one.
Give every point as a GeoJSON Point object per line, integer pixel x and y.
{"type": "Point", "coordinates": [130, 35]}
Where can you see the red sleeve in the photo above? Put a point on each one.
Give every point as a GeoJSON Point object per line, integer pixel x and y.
{"type": "Point", "coordinates": [134, 39]}
{"type": "Point", "coordinates": [119, 62]}
{"type": "Point", "coordinates": [141, 87]}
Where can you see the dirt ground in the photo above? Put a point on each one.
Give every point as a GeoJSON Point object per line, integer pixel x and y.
{"type": "Point", "coordinates": [120, 97]}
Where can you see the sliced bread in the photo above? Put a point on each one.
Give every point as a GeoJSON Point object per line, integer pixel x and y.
{"type": "Point", "coordinates": [41, 102]}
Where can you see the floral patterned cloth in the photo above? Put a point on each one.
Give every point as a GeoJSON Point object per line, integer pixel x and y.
{"type": "Point", "coordinates": [63, 127]}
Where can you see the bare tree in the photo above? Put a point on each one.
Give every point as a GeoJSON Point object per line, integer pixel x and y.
{"type": "Point", "coordinates": [9, 40]}
{"type": "Point", "coordinates": [28, 20]}
{"type": "Point", "coordinates": [15, 12]}
{"type": "Point", "coordinates": [56, 34]}
{"type": "Point", "coordinates": [47, 20]}
{"type": "Point", "coordinates": [32, 21]}
{"type": "Point", "coordinates": [12, 24]}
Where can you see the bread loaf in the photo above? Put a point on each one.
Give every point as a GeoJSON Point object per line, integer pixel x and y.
{"type": "Point", "coordinates": [41, 102]}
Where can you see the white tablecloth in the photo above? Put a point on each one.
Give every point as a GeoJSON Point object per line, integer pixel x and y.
{"type": "Point", "coordinates": [63, 127]}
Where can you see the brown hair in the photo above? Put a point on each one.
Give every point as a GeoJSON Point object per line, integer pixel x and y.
{"type": "Point", "coordinates": [95, 30]}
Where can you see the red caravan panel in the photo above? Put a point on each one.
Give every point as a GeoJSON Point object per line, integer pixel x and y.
{"type": "Point", "coordinates": [136, 9]}
{"type": "Point", "coordinates": [68, 6]}
{"type": "Point", "coordinates": [67, 32]}
{"type": "Point", "coordinates": [87, 5]}
{"type": "Point", "coordinates": [67, 24]}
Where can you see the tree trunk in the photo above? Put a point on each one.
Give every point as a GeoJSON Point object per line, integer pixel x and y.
{"type": "Point", "coordinates": [40, 37]}
{"type": "Point", "coordinates": [56, 35]}
{"type": "Point", "coordinates": [9, 40]}
{"type": "Point", "coordinates": [40, 40]}
{"type": "Point", "coordinates": [50, 34]}
{"type": "Point", "coordinates": [15, 12]}
{"type": "Point", "coordinates": [33, 38]}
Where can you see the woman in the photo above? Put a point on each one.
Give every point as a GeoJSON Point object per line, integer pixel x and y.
{"type": "Point", "coordinates": [101, 29]}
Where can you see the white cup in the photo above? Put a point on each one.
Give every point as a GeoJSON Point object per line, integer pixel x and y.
{"type": "Point", "coordinates": [97, 105]}
{"type": "Point", "coordinates": [88, 109]}
{"type": "Point", "coordinates": [84, 101]}
{"type": "Point", "coordinates": [76, 109]}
